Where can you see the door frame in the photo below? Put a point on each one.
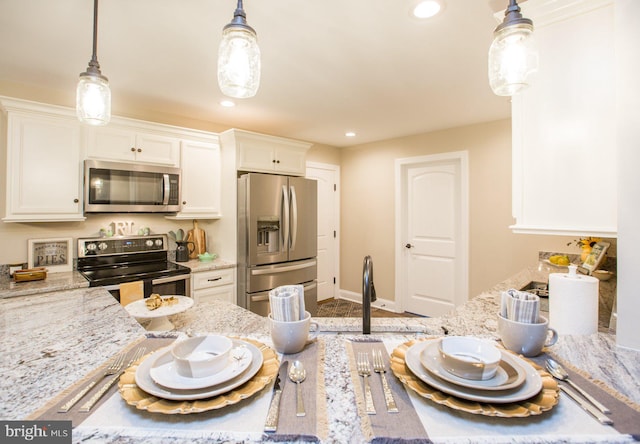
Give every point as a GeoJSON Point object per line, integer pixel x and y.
{"type": "Point", "coordinates": [336, 211]}
{"type": "Point", "coordinates": [401, 167]}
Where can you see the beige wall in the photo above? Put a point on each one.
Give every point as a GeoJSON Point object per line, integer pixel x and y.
{"type": "Point", "coordinates": [368, 202]}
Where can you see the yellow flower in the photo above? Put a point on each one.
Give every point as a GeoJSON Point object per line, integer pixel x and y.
{"type": "Point", "coordinates": [586, 241]}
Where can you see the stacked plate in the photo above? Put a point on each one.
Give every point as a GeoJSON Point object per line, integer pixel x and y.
{"type": "Point", "coordinates": [158, 376]}
{"type": "Point", "coordinates": [515, 379]}
{"type": "Point", "coordinates": [154, 384]}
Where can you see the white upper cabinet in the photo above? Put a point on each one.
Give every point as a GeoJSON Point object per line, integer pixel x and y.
{"type": "Point", "coordinates": [564, 137]}
{"type": "Point", "coordinates": [42, 151]}
{"type": "Point", "coordinates": [201, 183]}
{"type": "Point", "coordinates": [267, 154]}
{"type": "Point", "coordinates": [133, 141]}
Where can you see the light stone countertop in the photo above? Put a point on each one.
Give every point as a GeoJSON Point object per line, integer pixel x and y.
{"type": "Point", "coordinates": [67, 280]}
{"type": "Point", "coordinates": [52, 340]}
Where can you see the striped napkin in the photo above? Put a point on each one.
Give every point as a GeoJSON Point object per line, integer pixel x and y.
{"type": "Point", "coordinates": [520, 306]}
{"type": "Point", "coordinates": [287, 303]}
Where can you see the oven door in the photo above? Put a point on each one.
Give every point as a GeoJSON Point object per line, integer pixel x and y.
{"type": "Point", "coordinates": [166, 286]}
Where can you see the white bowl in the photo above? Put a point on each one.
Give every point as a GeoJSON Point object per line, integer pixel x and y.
{"type": "Point", "coordinates": [468, 357]}
{"type": "Point", "coordinates": [201, 356]}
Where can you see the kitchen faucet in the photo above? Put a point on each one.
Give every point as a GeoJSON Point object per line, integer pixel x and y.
{"type": "Point", "coordinates": [368, 294]}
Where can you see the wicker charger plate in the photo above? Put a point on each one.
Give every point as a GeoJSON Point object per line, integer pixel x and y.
{"type": "Point", "coordinates": [135, 396]}
{"type": "Point", "coordinates": [543, 401]}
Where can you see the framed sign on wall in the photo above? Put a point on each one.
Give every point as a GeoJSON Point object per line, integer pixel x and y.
{"type": "Point", "coordinates": [54, 254]}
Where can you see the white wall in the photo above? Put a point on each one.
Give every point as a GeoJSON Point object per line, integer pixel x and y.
{"type": "Point", "coordinates": [627, 17]}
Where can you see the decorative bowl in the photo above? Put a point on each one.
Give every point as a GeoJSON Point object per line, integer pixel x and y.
{"type": "Point", "coordinates": [201, 356]}
{"type": "Point", "coordinates": [468, 357]}
{"type": "Point", "coordinates": [206, 257]}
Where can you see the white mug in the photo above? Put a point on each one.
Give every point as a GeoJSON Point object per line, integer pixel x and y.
{"type": "Point", "coordinates": [524, 338]}
{"type": "Point", "coordinates": [292, 336]}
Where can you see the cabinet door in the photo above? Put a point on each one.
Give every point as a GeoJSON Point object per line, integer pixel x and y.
{"type": "Point", "coordinates": [290, 161]}
{"type": "Point", "coordinates": [253, 157]}
{"type": "Point", "coordinates": [125, 143]}
{"type": "Point", "coordinates": [224, 293]}
{"type": "Point", "coordinates": [111, 143]}
{"type": "Point", "coordinates": [44, 179]}
{"type": "Point", "coordinates": [156, 148]}
{"type": "Point", "coordinates": [200, 163]}
{"type": "Point", "coordinates": [564, 134]}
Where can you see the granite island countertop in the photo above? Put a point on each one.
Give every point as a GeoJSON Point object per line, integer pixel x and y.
{"type": "Point", "coordinates": [52, 340]}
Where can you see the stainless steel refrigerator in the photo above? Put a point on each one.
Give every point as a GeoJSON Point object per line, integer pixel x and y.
{"type": "Point", "coordinates": [277, 238]}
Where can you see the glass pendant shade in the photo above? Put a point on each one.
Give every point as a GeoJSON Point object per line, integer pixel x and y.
{"type": "Point", "coordinates": [93, 99]}
{"type": "Point", "coordinates": [513, 57]}
{"type": "Point", "coordinates": [239, 62]}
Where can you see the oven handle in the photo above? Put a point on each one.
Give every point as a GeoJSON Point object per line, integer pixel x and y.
{"type": "Point", "coordinates": [153, 282]}
{"type": "Point", "coordinates": [164, 280]}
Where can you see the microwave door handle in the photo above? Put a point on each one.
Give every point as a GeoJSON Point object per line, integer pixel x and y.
{"type": "Point", "coordinates": [284, 215]}
{"type": "Point", "coordinates": [166, 189]}
{"type": "Point", "coordinates": [294, 218]}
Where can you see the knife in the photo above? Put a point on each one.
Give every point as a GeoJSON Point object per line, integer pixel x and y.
{"type": "Point", "coordinates": [586, 406]}
{"type": "Point", "coordinates": [272, 415]}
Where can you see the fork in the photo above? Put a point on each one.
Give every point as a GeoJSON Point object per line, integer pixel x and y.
{"type": "Point", "coordinates": [364, 370]}
{"type": "Point", "coordinates": [107, 385]}
{"type": "Point", "coordinates": [378, 367]}
{"type": "Point", "coordinates": [112, 369]}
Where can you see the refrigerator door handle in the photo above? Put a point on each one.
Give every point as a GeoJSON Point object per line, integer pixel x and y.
{"type": "Point", "coordinates": [263, 271]}
{"type": "Point", "coordinates": [264, 295]}
{"type": "Point", "coordinates": [284, 211]}
{"type": "Point", "coordinates": [294, 218]}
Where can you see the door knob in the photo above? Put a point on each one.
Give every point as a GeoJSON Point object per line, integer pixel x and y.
{"type": "Point", "coordinates": [408, 246]}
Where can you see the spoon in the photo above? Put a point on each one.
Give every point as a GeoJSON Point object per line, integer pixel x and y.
{"type": "Point", "coordinates": [558, 372]}
{"type": "Point", "coordinates": [297, 374]}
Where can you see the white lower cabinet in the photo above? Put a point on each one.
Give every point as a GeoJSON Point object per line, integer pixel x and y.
{"type": "Point", "coordinates": [214, 284]}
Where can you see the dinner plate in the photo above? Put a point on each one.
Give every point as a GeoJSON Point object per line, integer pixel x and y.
{"type": "Point", "coordinates": [509, 374]}
{"type": "Point", "coordinates": [530, 387]}
{"type": "Point", "coordinates": [164, 370]}
{"type": "Point", "coordinates": [146, 383]}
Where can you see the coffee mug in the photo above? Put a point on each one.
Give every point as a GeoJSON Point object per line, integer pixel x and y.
{"type": "Point", "coordinates": [292, 336]}
{"type": "Point", "coordinates": [526, 339]}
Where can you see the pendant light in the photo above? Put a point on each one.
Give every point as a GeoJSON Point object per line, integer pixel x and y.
{"type": "Point", "coordinates": [239, 58]}
{"type": "Point", "coordinates": [513, 55]}
{"type": "Point", "coordinates": [93, 96]}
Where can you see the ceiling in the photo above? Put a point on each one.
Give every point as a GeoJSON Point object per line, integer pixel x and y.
{"type": "Point", "coordinates": [328, 66]}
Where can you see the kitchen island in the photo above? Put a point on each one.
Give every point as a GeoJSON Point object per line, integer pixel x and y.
{"type": "Point", "coordinates": [52, 340]}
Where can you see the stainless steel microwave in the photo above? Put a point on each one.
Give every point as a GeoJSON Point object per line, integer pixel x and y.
{"type": "Point", "coordinates": [114, 187]}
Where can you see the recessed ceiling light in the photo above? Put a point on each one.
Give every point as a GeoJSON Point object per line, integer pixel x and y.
{"type": "Point", "coordinates": [427, 8]}
{"type": "Point", "coordinates": [227, 103]}
{"type": "Point", "coordinates": [350, 134]}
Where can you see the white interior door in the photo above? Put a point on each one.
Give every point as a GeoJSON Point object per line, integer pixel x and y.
{"type": "Point", "coordinates": [432, 233]}
{"type": "Point", "coordinates": [328, 177]}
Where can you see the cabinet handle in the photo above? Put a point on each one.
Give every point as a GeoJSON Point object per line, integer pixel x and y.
{"type": "Point", "coordinates": [139, 150]}
{"type": "Point", "coordinates": [274, 161]}
{"type": "Point", "coordinates": [133, 149]}
{"type": "Point", "coordinates": [214, 279]}
{"type": "Point", "coordinates": [184, 202]}
{"type": "Point", "coordinates": [76, 200]}
{"type": "Point", "coordinates": [278, 161]}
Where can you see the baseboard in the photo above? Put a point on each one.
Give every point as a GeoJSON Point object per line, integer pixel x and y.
{"type": "Point", "coordinates": [384, 304]}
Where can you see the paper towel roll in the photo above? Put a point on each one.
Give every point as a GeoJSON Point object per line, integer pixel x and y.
{"type": "Point", "coordinates": [573, 303]}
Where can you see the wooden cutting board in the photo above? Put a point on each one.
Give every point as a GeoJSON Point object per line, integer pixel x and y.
{"type": "Point", "coordinates": [199, 239]}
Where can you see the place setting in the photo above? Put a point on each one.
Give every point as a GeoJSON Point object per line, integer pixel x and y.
{"type": "Point", "coordinates": [479, 376]}
{"type": "Point", "coordinates": [198, 374]}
